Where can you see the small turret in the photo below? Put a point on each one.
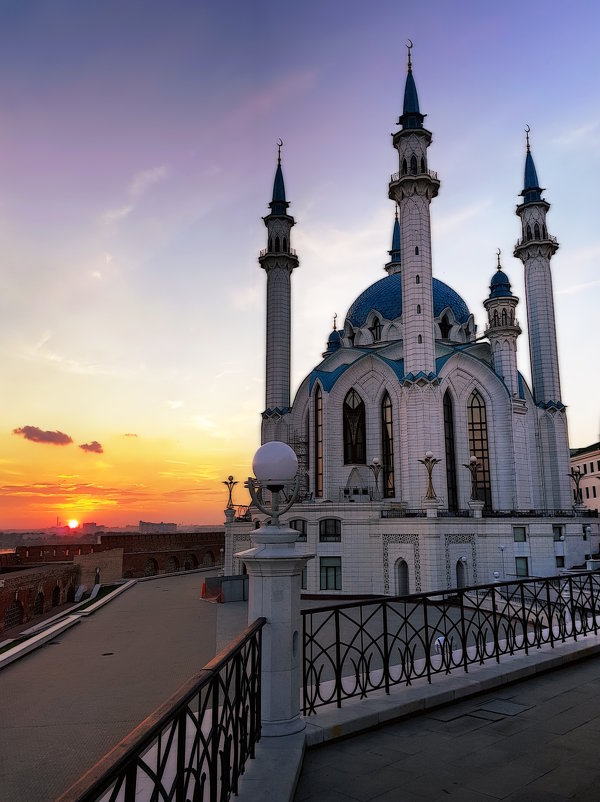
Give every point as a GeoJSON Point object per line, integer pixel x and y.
{"type": "Point", "coordinates": [503, 328]}
{"type": "Point", "coordinates": [395, 263]}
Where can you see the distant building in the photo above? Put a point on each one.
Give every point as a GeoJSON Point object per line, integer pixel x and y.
{"type": "Point", "coordinates": [149, 528]}
{"type": "Point", "coordinates": [588, 461]}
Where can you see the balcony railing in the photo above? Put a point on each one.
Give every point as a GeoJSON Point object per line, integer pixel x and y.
{"type": "Point", "coordinates": [195, 746]}
{"type": "Point", "coordinates": [547, 238]}
{"type": "Point", "coordinates": [351, 650]}
{"type": "Point", "coordinates": [395, 177]}
{"type": "Point", "coordinates": [265, 251]}
{"type": "Point", "coordinates": [405, 512]}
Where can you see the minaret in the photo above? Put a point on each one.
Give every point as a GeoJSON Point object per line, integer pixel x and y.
{"type": "Point", "coordinates": [535, 250]}
{"type": "Point", "coordinates": [503, 329]}
{"type": "Point", "coordinates": [278, 260]}
{"type": "Point", "coordinates": [413, 188]}
{"type": "Point", "coordinates": [395, 263]}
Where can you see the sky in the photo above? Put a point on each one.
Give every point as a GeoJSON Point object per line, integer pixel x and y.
{"type": "Point", "coordinates": [137, 155]}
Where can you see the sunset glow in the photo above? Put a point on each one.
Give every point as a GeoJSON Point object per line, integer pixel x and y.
{"type": "Point", "coordinates": [137, 155]}
{"type": "Point", "coordinates": [73, 523]}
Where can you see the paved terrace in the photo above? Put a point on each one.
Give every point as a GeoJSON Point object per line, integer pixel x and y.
{"type": "Point", "coordinates": [64, 706]}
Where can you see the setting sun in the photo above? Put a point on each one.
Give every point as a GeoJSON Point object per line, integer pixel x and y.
{"type": "Point", "coordinates": [73, 523]}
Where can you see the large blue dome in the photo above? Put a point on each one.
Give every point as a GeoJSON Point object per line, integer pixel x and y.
{"type": "Point", "coordinates": [385, 297]}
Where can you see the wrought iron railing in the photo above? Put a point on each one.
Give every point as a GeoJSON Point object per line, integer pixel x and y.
{"type": "Point", "coordinates": [195, 746]}
{"type": "Point", "coordinates": [395, 177]}
{"type": "Point", "coordinates": [525, 241]}
{"type": "Point", "coordinates": [405, 512]}
{"type": "Point", "coordinates": [351, 650]}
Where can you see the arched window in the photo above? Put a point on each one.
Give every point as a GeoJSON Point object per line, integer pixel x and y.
{"type": "Point", "coordinates": [354, 429]}
{"type": "Point", "coordinates": [271, 244]}
{"type": "Point", "coordinates": [418, 309]}
{"type": "Point", "coordinates": [376, 330]}
{"type": "Point", "coordinates": [277, 245]}
{"type": "Point", "coordinates": [504, 317]}
{"type": "Point", "coordinates": [445, 327]}
{"type": "Point", "coordinates": [536, 231]}
{"type": "Point", "coordinates": [318, 442]}
{"type": "Point", "coordinates": [419, 339]}
{"type": "Point", "coordinates": [528, 232]}
{"type": "Point", "coordinates": [417, 250]}
{"type": "Point", "coordinates": [450, 453]}
{"type": "Point", "coordinates": [387, 447]}
{"type": "Point", "coordinates": [417, 279]}
{"type": "Point", "coordinates": [544, 231]}
{"type": "Point", "coordinates": [478, 445]}
{"type": "Point", "coordinates": [404, 167]}
{"type": "Point", "coordinates": [285, 247]}
{"type": "Point", "coordinates": [299, 524]}
{"type": "Point", "coordinates": [422, 164]}
{"type": "Point", "coordinates": [496, 318]}
{"type": "Point", "coordinates": [413, 164]}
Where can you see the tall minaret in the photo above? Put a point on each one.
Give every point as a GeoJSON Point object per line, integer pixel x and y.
{"type": "Point", "coordinates": [503, 329]}
{"type": "Point", "coordinates": [535, 250]}
{"type": "Point", "coordinates": [413, 188]}
{"type": "Point", "coordinates": [278, 260]}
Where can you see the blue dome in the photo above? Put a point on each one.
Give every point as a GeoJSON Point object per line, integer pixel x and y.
{"type": "Point", "coordinates": [334, 341]}
{"type": "Point", "coordinates": [385, 297]}
{"type": "Point", "coordinates": [500, 285]}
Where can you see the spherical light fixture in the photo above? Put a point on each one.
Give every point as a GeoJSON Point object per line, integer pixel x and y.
{"type": "Point", "coordinates": [274, 464]}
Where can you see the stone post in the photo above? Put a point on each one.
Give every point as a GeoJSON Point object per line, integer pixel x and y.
{"type": "Point", "coordinates": [228, 562]}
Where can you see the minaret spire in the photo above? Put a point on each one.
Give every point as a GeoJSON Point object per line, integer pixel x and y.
{"type": "Point", "coordinates": [278, 260]}
{"type": "Point", "coordinates": [395, 263]}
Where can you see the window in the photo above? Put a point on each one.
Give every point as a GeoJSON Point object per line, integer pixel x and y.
{"type": "Point", "coordinates": [413, 164]}
{"type": "Point", "coordinates": [330, 530]}
{"type": "Point", "coordinates": [536, 231]}
{"type": "Point", "coordinates": [387, 447]}
{"type": "Point", "coordinates": [299, 524]}
{"type": "Point", "coordinates": [528, 232]}
{"type": "Point", "coordinates": [585, 467]}
{"type": "Point", "coordinates": [417, 250]}
{"type": "Point", "coordinates": [318, 443]}
{"type": "Point", "coordinates": [277, 245]}
{"type": "Point", "coordinates": [450, 453]}
{"type": "Point", "coordinates": [331, 573]}
{"type": "Point", "coordinates": [417, 279]}
{"type": "Point", "coordinates": [519, 534]}
{"type": "Point", "coordinates": [504, 317]}
{"type": "Point", "coordinates": [404, 167]}
{"type": "Point", "coordinates": [422, 164]}
{"type": "Point", "coordinates": [587, 492]}
{"type": "Point", "coordinates": [521, 566]}
{"type": "Point", "coordinates": [557, 533]}
{"type": "Point", "coordinates": [419, 339]}
{"type": "Point", "coordinates": [591, 467]}
{"type": "Point", "coordinates": [354, 429]}
{"type": "Point", "coordinates": [478, 446]}
{"type": "Point", "coordinates": [304, 580]}
{"type": "Point", "coordinates": [376, 330]}
{"type": "Point", "coordinates": [285, 247]}
{"type": "Point", "coordinates": [418, 309]}
{"type": "Point", "coordinates": [598, 465]}
{"type": "Point", "coordinates": [560, 562]}
{"type": "Point", "coordinates": [445, 327]}
{"type": "Point", "coordinates": [594, 491]}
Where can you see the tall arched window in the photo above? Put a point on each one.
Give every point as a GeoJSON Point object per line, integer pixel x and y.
{"type": "Point", "coordinates": [478, 445]}
{"type": "Point", "coordinates": [413, 164]}
{"type": "Point", "coordinates": [318, 442]}
{"type": "Point", "coordinates": [450, 453]}
{"type": "Point", "coordinates": [354, 429]}
{"type": "Point", "coordinates": [417, 279]}
{"type": "Point", "coordinates": [422, 164]}
{"type": "Point", "coordinates": [504, 317]}
{"type": "Point", "coordinates": [404, 167]}
{"type": "Point", "coordinates": [285, 247]}
{"type": "Point", "coordinates": [528, 232]}
{"type": "Point", "coordinates": [387, 447]}
{"type": "Point", "coordinates": [536, 231]}
{"type": "Point", "coordinates": [277, 245]}
{"type": "Point", "coordinates": [376, 330]}
{"type": "Point", "coordinates": [445, 327]}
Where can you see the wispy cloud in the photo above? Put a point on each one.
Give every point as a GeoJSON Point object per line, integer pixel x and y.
{"type": "Point", "coordinates": [455, 221]}
{"type": "Point", "coordinates": [94, 447]}
{"type": "Point", "coordinates": [142, 181]}
{"type": "Point", "coordinates": [175, 404]}
{"type": "Point", "coordinates": [130, 434]}
{"type": "Point", "coordinates": [576, 136]}
{"type": "Point", "coordinates": [37, 435]}
{"type": "Point", "coordinates": [576, 288]}
{"type": "Point", "coordinates": [116, 215]}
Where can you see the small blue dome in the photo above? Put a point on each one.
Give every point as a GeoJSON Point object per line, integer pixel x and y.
{"type": "Point", "coordinates": [500, 285]}
{"type": "Point", "coordinates": [385, 297]}
{"type": "Point", "coordinates": [334, 341]}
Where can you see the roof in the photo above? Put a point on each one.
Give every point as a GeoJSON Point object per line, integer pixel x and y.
{"type": "Point", "coordinates": [500, 285]}
{"type": "Point", "coordinates": [385, 298]}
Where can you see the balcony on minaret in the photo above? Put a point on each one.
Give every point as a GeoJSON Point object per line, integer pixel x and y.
{"type": "Point", "coordinates": [543, 238]}
{"type": "Point", "coordinates": [272, 252]}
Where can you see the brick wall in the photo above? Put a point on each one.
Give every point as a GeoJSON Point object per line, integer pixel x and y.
{"type": "Point", "coordinates": [31, 592]}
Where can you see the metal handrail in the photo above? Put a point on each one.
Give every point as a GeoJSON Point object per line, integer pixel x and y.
{"type": "Point", "coordinates": [395, 177]}
{"type": "Point", "coordinates": [224, 728]}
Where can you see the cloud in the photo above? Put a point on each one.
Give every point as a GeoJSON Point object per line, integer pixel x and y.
{"type": "Point", "coordinates": [116, 215]}
{"type": "Point", "coordinates": [175, 404]}
{"type": "Point", "coordinates": [575, 288]}
{"type": "Point", "coordinates": [37, 435]}
{"type": "Point", "coordinates": [94, 446]}
{"type": "Point", "coordinates": [577, 136]}
{"type": "Point", "coordinates": [130, 434]}
{"type": "Point", "coordinates": [142, 181]}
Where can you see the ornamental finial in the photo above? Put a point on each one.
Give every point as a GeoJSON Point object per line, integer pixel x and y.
{"type": "Point", "coordinates": [335, 322]}
{"type": "Point", "coordinates": [527, 130]}
{"type": "Point", "coordinates": [279, 146]}
{"type": "Point", "coordinates": [498, 252]}
{"type": "Point", "coordinates": [410, 47]}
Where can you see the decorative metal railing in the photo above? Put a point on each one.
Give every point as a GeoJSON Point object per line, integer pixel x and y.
{"type": "Point", "coordinates": [396, 511]}
{"type": "Point", "coordinates": [395, 177]}
{"type": "Point", "coordinates": [354, 649]}
{"type": "Point", "coordinates": [195, 746]}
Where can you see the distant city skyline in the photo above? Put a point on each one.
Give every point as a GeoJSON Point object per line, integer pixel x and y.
{"type": "Point", "coordinates": [137, 155]}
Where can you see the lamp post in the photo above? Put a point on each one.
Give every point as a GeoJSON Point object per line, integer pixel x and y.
{"type": "Point", "coordinates": [230, 484]}
{"type": "Point", "coordinates": [376, 467]}
{"type": "Point", "coordinates": [502, 553]}
{"type": "Point", "coordinates": [275, 574]}
{"type": "Point", "coordinates": [429, 462]}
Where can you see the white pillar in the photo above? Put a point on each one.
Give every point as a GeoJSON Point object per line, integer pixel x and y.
{"type": "Point", "coordinates": [275, 571]}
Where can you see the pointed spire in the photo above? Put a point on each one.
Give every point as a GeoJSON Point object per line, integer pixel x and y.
{"type": "Point", "coordinates": [411, 115]}
{"type": "Point", "coordinates": [531, 186]}
{"type": "Point", "coordinates": [279, 204]}
{"type": "Point", "coordinates": [395, 253]}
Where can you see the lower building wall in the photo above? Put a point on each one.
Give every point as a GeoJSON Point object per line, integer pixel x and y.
{"type": "Point", "coordinates": [25, 595]}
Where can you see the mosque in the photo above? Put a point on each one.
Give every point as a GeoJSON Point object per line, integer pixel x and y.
{"type": "Point", "coordinates": [426, 461]}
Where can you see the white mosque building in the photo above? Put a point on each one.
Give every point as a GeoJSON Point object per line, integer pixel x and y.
{"type": "Point", "coordinates": [409, 388]}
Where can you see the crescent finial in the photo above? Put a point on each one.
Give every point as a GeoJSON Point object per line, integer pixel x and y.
{"type": "Point", "coordinates": [527, 130]}
{"type": "Point", "coordinates": [410, 47]}
{"type": "Point", "coordinates": [498, 252]}
{"type": "Point", "coordinates": [279, 146]}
